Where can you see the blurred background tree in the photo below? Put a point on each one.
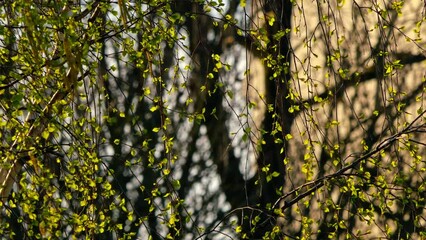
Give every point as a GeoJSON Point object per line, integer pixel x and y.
{"type": "Point", "coordinates": [212, 119]}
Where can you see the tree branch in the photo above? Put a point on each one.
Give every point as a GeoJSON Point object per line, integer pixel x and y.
{"type": "Point", "coordinates": [356, 78]}
{"type": "Point", "coordinates": [318, 183]}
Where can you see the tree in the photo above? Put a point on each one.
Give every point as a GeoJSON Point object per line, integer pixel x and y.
{"type": "Point", "coordinates": [212, 119]}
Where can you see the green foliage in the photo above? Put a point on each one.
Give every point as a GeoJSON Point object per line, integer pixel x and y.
{"type": "Point", "coordinates": [204, 119]}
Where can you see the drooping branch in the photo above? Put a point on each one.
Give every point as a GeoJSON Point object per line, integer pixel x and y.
{"type": "Point", "coordinates": [356, 78]}
{"type": "Point", "coordinates": [72, 57]}
{"type": "Point", "coordinates": [318, 183]}
{"type": "Point", "coordinates": [8, 174]}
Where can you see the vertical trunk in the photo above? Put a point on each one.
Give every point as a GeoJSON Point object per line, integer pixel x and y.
{"type": "Point", "coordinates": [277, 91]}
{"type": "Point", "coordinates": [262, 80]}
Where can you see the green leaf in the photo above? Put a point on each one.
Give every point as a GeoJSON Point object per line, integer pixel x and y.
{"type": "Point", "coordinates": [175, 184]}
{"type": "Point", "coordinates": [45, 134]}
{"type": "Point", "coordinates": [153, 108]}
{"type": "Point", "coordinates": [271, 21]}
